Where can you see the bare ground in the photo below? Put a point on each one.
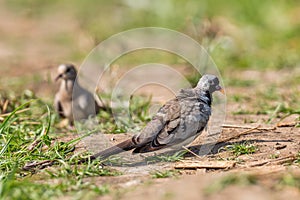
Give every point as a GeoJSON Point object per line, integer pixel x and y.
{"type": "Point", "coordinates": [269, 165]}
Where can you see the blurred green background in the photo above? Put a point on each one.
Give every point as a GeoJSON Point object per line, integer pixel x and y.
{"type": "Point", "coordinates": [239, 34]}
{"type": "Point", "coordinates": [244, 38]}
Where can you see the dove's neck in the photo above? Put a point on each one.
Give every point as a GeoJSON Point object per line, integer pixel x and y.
{"type": "Point", "coordinates": [205, 96]}
{"type": "Point", "coordinates": [67, 86]}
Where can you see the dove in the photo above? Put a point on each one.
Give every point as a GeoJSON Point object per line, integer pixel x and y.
{"type": "Point", "coordinates": [73, 101]}
{"type": "Point", "coordinates": [179, 121]}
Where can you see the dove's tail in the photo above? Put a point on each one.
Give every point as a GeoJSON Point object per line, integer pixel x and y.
{"type": "Point", "coordinates": [127, 145]}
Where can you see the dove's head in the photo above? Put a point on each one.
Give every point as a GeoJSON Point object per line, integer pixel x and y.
{"type": "Point", "coordinates": [209, 83]}
{"type": "Point", "coordinates": [66, 72]}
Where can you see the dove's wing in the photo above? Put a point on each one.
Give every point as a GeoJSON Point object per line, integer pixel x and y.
{"type": "Point", "coordinates": [167, 119]}
{"type": "Point", "coordinates": [58, 107]}
{"type": "Point", "coordinates": [160, 131]}
{"type": "Point", "coordinates": [180, 119]}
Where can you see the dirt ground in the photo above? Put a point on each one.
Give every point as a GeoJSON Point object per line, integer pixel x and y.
{"type": "Point", "coordinates": [270, 165]}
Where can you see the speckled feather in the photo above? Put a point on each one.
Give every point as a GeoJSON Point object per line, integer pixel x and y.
{"type": "Point", "coordinates": [180, 119]}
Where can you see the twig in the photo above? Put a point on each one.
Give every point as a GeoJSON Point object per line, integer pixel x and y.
{"type": "Point", "coordinates": [33, 144]}
{"type": "Point", "coordinates": [192, 153]}
{"type": "Point", "coordinates": [5, 105]}
{"type": "Point", "coordinates": [248, 127]}
{"type": "Point", "coordinates": [239, 134]}
{"type": "Point", "coordinates": [19, 111]}
{"type": "Point", "coordinates": [286, 124]}
{"type": "Point", "coordinates": [30, 123]}
{"type": "Point", "coordinates": [285, 159]}
{"type": "Point", "coordinates": [42, 164]}
{"type": "Point", "coordinates": [204, 164]}
{"type": "Point", "coordinates": [278, 160]}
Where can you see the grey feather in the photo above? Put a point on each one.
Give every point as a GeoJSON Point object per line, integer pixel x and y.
{"type": "Point", "coordinates": [180, 120]}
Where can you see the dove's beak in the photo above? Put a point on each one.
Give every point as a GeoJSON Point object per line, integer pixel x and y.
{"type": "Point", "coordinates": [222, 91]}
{"type": "Point", "coordinates": [58, 77]}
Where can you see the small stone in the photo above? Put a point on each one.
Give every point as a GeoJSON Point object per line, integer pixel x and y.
{"type": "Point", "coordinates": [279, 146]}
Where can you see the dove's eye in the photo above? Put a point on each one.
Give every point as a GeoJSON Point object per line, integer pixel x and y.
{"type": "Point", "coordinates": [68, 70]}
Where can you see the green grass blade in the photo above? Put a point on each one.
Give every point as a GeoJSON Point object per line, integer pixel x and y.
{"type": "Point", "coordinates": [5, 146]}
{"type": "Point", "coordinates": [5, 122]}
